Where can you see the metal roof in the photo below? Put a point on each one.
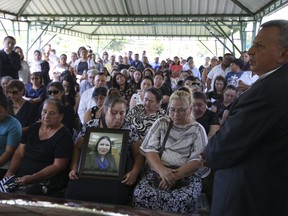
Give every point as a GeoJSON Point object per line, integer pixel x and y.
{"type": "Point", "coordinates": [185, 18]}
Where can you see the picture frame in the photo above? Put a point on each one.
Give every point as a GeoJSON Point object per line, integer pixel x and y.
{"type": "Point", "coordinates": [97, 159]}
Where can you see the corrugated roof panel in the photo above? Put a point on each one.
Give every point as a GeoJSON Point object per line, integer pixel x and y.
{"type": "Point", "coordinates": [12, 6]}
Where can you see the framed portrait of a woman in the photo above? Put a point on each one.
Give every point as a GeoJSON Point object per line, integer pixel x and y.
{"type": "Point", "coordinates": [104, 153]}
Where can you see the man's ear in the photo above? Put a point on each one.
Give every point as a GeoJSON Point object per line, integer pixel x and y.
{"type": "Point", "coordinates": [283, 58]}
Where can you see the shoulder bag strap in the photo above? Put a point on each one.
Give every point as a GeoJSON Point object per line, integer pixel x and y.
{"type": "Point", "coordinates": [165, 139]}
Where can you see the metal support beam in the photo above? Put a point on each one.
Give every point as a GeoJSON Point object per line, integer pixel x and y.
{"type": "Point", "coordinates": [3, 27]}
{"type": "Point", "coordinates": [206, 47]}
{"type": "Point", "coordinates": [243, 7]}
{"type": "Point", "coordinates": [218, 39]}
{"type": "Point", "coordinates": [39, 36]}
{"type": "Point", "coordinates": [52, 38]}
{"type": "Point", "coordinates": [28, 39]}
{"type": "Point", "coordinates": [232, 41]}
{"type": "Point", "coordinates": [24, 6]}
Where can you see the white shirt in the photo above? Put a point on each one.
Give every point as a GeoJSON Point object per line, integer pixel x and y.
{"type": "Point", "coordinates": [247, 78]}
{"type": "Point", "coordinates": [86, 102]}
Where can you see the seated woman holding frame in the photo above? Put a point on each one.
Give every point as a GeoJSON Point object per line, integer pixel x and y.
{"type": "Point", "coordinates": [117, 191]}
{"type": "Point", "coordinates": [172, 148]}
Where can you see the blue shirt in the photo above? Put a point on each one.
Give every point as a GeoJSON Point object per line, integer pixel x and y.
{"type": "Point", "coordinates": [10, 133]}
{"type": "Point", "coordinates": [233, 77]}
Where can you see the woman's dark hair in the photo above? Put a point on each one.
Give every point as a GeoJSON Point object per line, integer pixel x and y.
{"type": "Point", "coordinates": [115, 84]}
{"type": "Point", "coordinates": [57, 85]}
{"type": "Point", "coordinates": [148, 78]}
{"type": "Point", "coordinates": [113, 98]}
{"type": "Point", "coordinates": [230, 87]}
{"type": "Point", "coordinates": [38, 51]}
{"type": "Point", "coordinates": [219, 78]}
{"type": "Point", "coordinates": [17, 47]}
{"type": "Point", "coordinates": [190, 78]}
{"type": "Point", "coordinates": [132, 78]}
{"type": "Point", "coordinates": [200, 96]}
{"type": "Point", "coordinates": [57, 103]}
{"type": "Point", "coordinates": [160, 74]}
{"type": "Point", "coordinates": [184, 88]}
{"type": "Point", "coordinates": [102, 138]}
{"type": "Point", "coordinates": [38, 74]}
{"type": "Point", "coordinates": [14, 83]}
{"type": "Point", "coordinates": [156, 92]}
{"type": "Point", "coordinates": [150, 70]}
{"type": "Point", "coordinates": [99, 91]}
{"type": "Point", "coordinates": [70, 98]}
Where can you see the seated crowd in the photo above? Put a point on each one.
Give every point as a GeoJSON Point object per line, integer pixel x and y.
{"type": "Point", "coordinates": [170, 108]}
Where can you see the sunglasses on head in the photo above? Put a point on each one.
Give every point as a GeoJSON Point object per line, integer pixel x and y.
{"type": "Point", "coordinates": [53, 92]}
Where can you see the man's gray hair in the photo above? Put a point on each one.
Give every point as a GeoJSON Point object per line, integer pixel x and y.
{"type": "Point", "coordinates": [283, 27]}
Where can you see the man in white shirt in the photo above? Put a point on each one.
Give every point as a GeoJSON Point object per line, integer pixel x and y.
{"type": "Point", "coordinates": [246, 80]}
{"type": "Point", "coordinates": [219, 70]}
{"type": "Point", "coordinates": [86, 100]}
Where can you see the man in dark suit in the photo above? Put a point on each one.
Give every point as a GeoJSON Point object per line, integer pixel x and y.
{"type": "Point", "coordinates": [10, 62]}
{"type": "Point", "coordinates": [250, 152]}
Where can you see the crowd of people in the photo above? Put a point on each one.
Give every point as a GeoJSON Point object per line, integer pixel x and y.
{"type": "Point", "coordinates": [171, 109]}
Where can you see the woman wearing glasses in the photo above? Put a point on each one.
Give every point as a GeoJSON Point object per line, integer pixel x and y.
{"type": "Point", "coordinates": [19, 108]}
{"type": "Point", "coordinates": [170, 183]}
{"type": "Point", "coordinates": [55, 90]}
{"type": "Point", "coordinates": [35, 91]}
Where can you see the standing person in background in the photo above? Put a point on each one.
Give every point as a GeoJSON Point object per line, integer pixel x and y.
{"type": "Point", "coordinates": [24, 72]}
{"type": "Point", "coordinates": [250, 152]}
{"type": "Point", "coordinates": [42, 66]}
{"type": "Point", "coordinates": [10, 62]}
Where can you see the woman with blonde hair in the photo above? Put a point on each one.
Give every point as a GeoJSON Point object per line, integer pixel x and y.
{"type": "Point", "coordinates": [172, 148]}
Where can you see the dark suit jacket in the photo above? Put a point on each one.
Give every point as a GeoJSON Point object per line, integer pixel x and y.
{"type": "Point", "coordinates": [9, 64]}
{"type": "Point", "coordinates": [250, 152]}
{"type": "Point", "coordinates": [45, 72]}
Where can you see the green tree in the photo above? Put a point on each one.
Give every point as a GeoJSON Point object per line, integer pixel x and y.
{"type": "Point", "coordinates": [158, 47]}
{"type": "Point", "coordinates": [116, 45]}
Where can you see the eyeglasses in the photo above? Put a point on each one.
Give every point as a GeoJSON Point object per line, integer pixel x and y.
{"type": "Point", "coordinates": [34, 78]}
{"type": "Point", "coordinates": [13, 92]}
{"type": "Point", "coordinates": [195, 83]}
{"type": "Point", "coordinates": [180, 110]}
{"type": "Point", "coordinates": [53, 92]}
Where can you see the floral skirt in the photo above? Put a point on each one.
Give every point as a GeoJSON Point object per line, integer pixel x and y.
{"type": "Point", "coordinates": [181, 199]}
